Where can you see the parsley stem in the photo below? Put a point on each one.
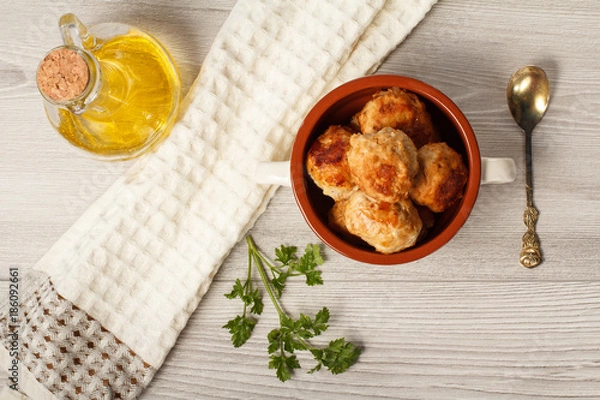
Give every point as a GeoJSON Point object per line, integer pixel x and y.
{"type": "Point", "coordinates": [249, 277]}
{"type": "Point", "coordinates": [248, 283]}
{"type": "Point", "coordinates": [307, 345]}
{"type": "Point", "coordinates": [253, 252]}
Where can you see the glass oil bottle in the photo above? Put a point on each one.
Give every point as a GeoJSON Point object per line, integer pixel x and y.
{"type": "Point", "coordinates": [112, 90]}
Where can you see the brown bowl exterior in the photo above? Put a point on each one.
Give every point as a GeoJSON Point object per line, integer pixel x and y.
{"type": "Point", "coordinates": [337, 107]}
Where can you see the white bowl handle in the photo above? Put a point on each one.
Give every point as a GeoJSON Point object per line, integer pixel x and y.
{"type": "Point", "coordinates": [273, 173]}
{"type": "Point", "coordinates": [497, 170]}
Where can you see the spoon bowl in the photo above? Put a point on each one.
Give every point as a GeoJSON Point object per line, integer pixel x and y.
{"type": "Point", "coordinates": [528, 96]}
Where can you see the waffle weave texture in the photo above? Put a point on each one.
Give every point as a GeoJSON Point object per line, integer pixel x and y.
{"type": "Point", "coordinates": [128, 274]}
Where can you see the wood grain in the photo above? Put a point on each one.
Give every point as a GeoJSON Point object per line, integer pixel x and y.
{"type": "Point", "coordinates": [467, 322]}
{"type": "Point", "coordinates": [421, 340]}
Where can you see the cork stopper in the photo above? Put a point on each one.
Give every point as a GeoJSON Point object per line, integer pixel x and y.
{"type": "Point", "coordinates": [63, 75]}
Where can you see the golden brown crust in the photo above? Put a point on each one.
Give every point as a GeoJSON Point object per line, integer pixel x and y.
{"type": "Point", "coordinates": [383, 164]}
{"type": "Point", "coordinates": [327, 165]}
{"type": "Point", "coordinates": [337, 222]}
{"type": "Point", "coordinates": [389, 227]}
{"type": "Point", "coordinates": [441, 179]}
{"type": "Point", "coordinates": [336, 217]}
{"type": "Point", "coordinates": [399, 109]}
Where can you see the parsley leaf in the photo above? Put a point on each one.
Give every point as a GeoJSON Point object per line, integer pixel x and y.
{"type": "Point", "coordinates": [285, 254]}
{"type": "Point", "coordinates": [338, 356]}
{"type": "Point", "coordinates": [283, 365]}
{"type": "Point", "coordinates": [240, 328]}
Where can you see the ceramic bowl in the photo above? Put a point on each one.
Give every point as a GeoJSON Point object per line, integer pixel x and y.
{"type": "Point", "coordinates": [337, 107]}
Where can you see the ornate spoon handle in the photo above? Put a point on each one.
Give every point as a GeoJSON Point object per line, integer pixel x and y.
{"type": "Point", "coordinates": [531, 255]}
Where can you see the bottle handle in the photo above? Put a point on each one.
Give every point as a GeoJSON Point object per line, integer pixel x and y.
{"type": "Point", "coordinates": [74, 33]}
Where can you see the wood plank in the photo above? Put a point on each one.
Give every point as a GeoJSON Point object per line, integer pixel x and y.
{"type": "Point", "coordinates": [429, 340]}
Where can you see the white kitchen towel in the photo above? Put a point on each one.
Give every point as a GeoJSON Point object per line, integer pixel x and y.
{"type": "Point", "coordinates": [101, 310]}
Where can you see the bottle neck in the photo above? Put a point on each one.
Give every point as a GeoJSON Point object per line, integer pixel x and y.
{"type": "Point", "coordinates": [69, 77]}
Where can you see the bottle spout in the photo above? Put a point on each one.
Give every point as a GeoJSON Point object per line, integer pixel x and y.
{"type": "Point", "coordinates": [68, 77]}
{"type": "Point", "coordinates": [74, 33]}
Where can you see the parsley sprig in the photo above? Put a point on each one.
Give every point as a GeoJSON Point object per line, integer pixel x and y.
{"type": "Point", "coordinates": [293, 334]}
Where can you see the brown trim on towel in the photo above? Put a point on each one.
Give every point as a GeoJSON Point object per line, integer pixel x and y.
{"type": "Point", "coordinates": [71, 353]}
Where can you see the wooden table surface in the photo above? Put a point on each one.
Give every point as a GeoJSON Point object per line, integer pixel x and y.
{"type": "Point", "coordinates": [468, 322]}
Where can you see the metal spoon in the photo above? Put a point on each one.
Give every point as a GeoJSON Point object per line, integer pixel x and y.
{"type": "Point", "coordinates": [528, 94]}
